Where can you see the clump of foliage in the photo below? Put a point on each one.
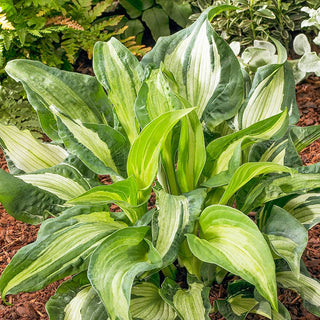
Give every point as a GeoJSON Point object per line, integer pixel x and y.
{"type": "Point", "coordinates": [56, 31]}
{"type": "Point", "coordinates": [221, 147]}
{"type": "Point", "coordinates": [313, 22]}
{"type": "Point", "coordinates": [156, 16]}
{"type": "Point", "coordinates": [256, 20]}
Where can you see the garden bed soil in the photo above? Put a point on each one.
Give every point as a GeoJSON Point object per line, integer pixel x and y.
{"type": "Point", "coordinates": [15, 234]}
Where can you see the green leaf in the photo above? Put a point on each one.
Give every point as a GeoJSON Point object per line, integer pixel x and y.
{"type": "Point", "coordinates": [122, 193]}
{"type": "Point", "coordinates": [77, 95]}
{"type": "Point", "coordinates": [231, 240]}
{"type": "Point", "coordinates": [157, 21]}
{"type": "Point", "coordinates": [189, 304]}
{"type": "Point", "coordinates": [115, 264]}
{"type": "Point", "coordinates": [205, 69]}
{"type": "Point", "coordinates": [26, 152]}
{"type": "Point", "coordinates": [307, 288]}
{"type": "Point", "coordinates": [147, 304]}
{"type": "Point", "coordinates": [305, 208]}
{"type": "Point", "coordinates": [100, 147]}
{"type": "Point", "coordinates": [302, 137]}
{"type": "Point", "coordinates": [286, 235]}
{"type": "Point", "coordinates": [120, 72]}
{"type": "Point", "coordinates": [247, 172]}
{"type": "Point", "coordinates": [273, 90]}
{"type": "Point", "coordinates": [220, 151]}
{"type": "Point", "coordinates": [178, 11]}
{"type": "Point", "coordinates": [191, 153]}
{"type": "Point", "coordinates": [26, 202]}
{"type": "Point", "coordinates": [144, 153]}
{"type": "Point", "coordinates": [63, 247]}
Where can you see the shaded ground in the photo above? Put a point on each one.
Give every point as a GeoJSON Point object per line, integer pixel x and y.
{"type": "Point", "coordinates": [15, 234]}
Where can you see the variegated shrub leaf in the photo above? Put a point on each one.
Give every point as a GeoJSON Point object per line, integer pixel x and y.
{"type": "Point", "coordinates": [287, 236]}
{"type": "Point", "coordinates": [76, 299]}
{"type": "Point", "coordinates": [77, 95]}
{"type": "Point", "coordinates": [147, 304]}
{"type": "Point", "coordinates": [307, 288]}
{"type": "Point", "coordinates": [205, 69]}
{"type": "Point", "coordinates": [115, 264]}
{"type": "Point", "coordinates": [120, 72]}
{"type": "Point", "coordinates": [231, 240]}
{"type": "Point", "coordinates": [27, 153]}
{"type": "Point", "coordinates": [220, 151]}
{"type": "Point", "coordinates": [108, 147]}
{"type": "Point", "coordinates": [63, 247]}
{"type": "Point", "coordinates": [273, 90]}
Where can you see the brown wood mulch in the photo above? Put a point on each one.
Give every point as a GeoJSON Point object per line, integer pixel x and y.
{"type": "Point", "coordinates": [15, 234]}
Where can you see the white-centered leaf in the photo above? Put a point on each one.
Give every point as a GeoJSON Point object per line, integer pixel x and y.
{"type": "Point", "coordinates": [204, 67]}
{"type": "Point", "coordinates": [26, 152]}
{"type": "Point", "coordinates": [120, 72]}
{"type": "Point", "coordinates": [77, 95]}
{"type": "Point", "coordinates": [231, 240]}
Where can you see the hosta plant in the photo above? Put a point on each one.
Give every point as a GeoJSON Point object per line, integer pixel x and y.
{"type": "Point", "coordinates": [220, 147]}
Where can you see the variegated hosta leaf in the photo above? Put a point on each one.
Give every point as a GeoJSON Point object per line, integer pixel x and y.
{"type": "Point", "coordinates": [155, 97]}
{"type": "Point", "coordinates": [272, 91]}
{"type": "Point", "coordinates": [247, 172]}
{"type": "Point", "coordinates": [305, 208]}
{"type": "Point", "coordinates": [123, 193]}
{"type": "Point", "coordinates": [63, 180]}
{"type": "Point", "coordinates": [176, 216]}
{"type": "Point", "coordinates": [27, 153]}
{"type": "Point", "coordinates": [190, 304]}
{"type": "Point", "coordinates": [147, 304]}
{"type": "Point", "coordinates": [77, 95]}
{"type": "Point", "coordinates": [272, 188]}
{"type": "Point", "coordinates": [221, 150]}
{"type": "Point", "coordinates": [75, 299]}
{"type": "Point", "coordinates": [115, 264]}
{"type": "Point", "coordinates": [100, 147]}
{"type": "Point", "coordinates": [231, 240]}
{"type": "Point", "coordinates": [302, 137]}
{"type": "Point", "coordinates": [286, 235]}
{"type": "Point", "coordinates": [207, 72]}
{"type": "Point", "coordinates": [63, 247]}
{"type": "Point", "coordinates": [307, 288]}
{"type": "Point", "coordinates": [144, 153]}
{"type": "Point", "coordinates": [120, 72]}
{"type": "Point", "coordinates": [191, 153]}
{"type": "Point", "coordinates": [282, 152]}
{"type": "Point", "coordinates": [26, 202]}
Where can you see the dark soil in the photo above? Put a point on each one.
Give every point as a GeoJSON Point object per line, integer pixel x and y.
{"type": "Point", "coordinates": [15, 234]}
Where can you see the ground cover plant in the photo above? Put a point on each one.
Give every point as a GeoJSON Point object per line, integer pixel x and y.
{"type": "Point", "coordinates": [221, 148]}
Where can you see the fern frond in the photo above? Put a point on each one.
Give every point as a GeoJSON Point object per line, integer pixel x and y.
{"type": "Point", "coordinates": [4, 23]}
{"type": "Point", "coordinates": [101, 7]}
{"type": "Point", "coordinates": [2, 59]}
{"type": "Point", "coordinates": [83, 4]}
{"type": "Point", "coordinates": [138, 50]}
{"type": "Point", "coordinates": [36, 33]}
{"type": "Point", "coordinates": [64, 21]}
{"type": "Point", "coordinates": [7, 37]}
